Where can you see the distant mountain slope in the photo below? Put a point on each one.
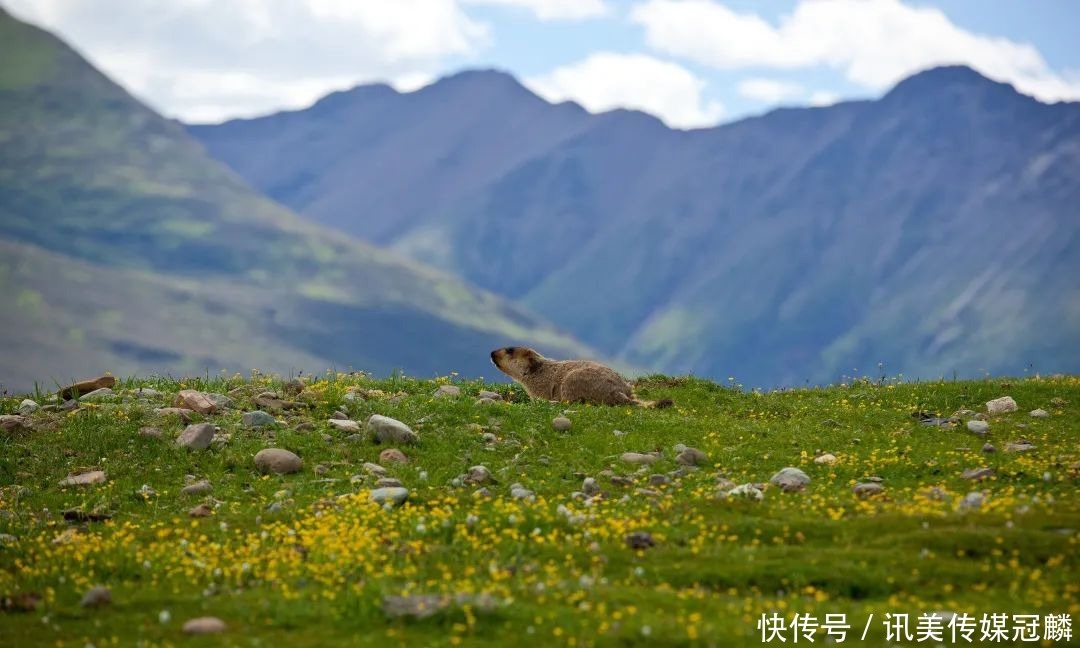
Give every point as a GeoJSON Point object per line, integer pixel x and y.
{"type": "Point", "coordinates": [935, 230]}
{"type": "Point", "coordinates": [94, 184]}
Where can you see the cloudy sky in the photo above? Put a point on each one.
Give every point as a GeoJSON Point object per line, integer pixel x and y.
{"type": "Point", "coordinates": [692, 63]}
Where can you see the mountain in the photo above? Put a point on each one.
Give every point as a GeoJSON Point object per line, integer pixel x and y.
{"type": "Point", "coordinates": [125, 247]}
{"type": "Point", "coordinates": [934, 230]}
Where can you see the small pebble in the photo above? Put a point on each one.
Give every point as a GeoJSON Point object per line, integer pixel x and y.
{"type": "Point", "coordinates": [204, 625]}
{"type": "Point", "coordinates": [96, 597]}
{"type": "Point", "coordinates": [561, 423]}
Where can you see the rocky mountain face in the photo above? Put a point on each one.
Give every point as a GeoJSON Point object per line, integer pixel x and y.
{"type": "Point", "coordinates": [935, 230]}
{"type": "Point", "coordinates": [126, 248]}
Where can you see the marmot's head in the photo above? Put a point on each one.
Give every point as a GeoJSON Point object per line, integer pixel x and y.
{"type": "Point", "coordinates": [516, 362]}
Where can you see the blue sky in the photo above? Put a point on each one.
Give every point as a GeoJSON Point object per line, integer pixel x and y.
{"type": "Point", "coordinates": [693, 63]}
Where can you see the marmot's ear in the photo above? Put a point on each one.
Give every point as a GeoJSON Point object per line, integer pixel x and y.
{"type": "Point", "coordinates": [534, 363]}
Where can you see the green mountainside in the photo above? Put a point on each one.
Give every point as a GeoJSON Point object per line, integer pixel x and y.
{"type": "Point", "coordinates": [126, 248]}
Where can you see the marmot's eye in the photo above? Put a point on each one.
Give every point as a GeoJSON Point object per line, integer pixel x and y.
{"type": "Point", "coordinates": [511, 350]}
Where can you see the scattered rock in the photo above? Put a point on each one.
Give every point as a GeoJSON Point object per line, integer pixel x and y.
{"type": "Point", "coordinates": [659, 480]}
{"type": "Point", "coordinates": [972, 500]}
{"type": "Point", "coordinates": [200, 487]}
{"type": "Point", "coordinates": [146, 491]}
{"type": "Point", "coordinates": [12, 423]}
{"type": "Point", "coordinates": [488, 437]}
{"type": "Point", "coordinates": [293, 387]}
{"type": "Point", "coordinates": [202, 510]}
{"type": "Point", "coordinates": [589, 487]}
{"type": "Point", "coordinates": [276, 460]}
{"type": "Point", "coordinates": [392, 455]}
{"type": "Point", "coordinates": [344, 425]}
{"type": "Point", "coordinates": [257, 418]}
{"type": "Point", "coordinates": [204, 625]}
{"type": "Point", "coordinates": [978, 427]}
{"type": "Point", "coordinates": [145, 393]}
{"type": "Point", "coordinates": [490, 395]}
{"type": "Point", "coordinates": [1001, 405]}
{"type": "Point", "coordinates": [988, 449]}
{"type": "Point", "coordinates": [186, 415]}
{"type": "Point", "coordinates": [1059, 402]}
{"type": "Point", "coordinates": [304, 426]}
{"type": "Point", "coordinates": [447, 391]}
{"type": "Point", "coordinates": [196, 401]}
{"type": "Point", "coordinates": [517, 491]}
{"type": "Point", "coordinates": [103, 394]}
{"type": "Point", "coordinates": [374, 469]}
{"type": "Point", "coordinates": [221, 401]}
{"type": "Point", "coordinates": [937, 494]}
{"type": "Point", "coordinates": [394, 495]}
{"type": "Point", "coordinates": [96, 597]}
{"type": "Point", "coordinates": [1022, 445]}
{"type": "Point", "coordinates": [640, 540]}
{"type": "Point", "coordinates": [867, 489]}
{"type": "Point", "coordinates": [826, 459]}
{"type": "Point", "coordinates": [691, 457]}
{"type": "Point", "coordinates": [639, 458]}
{"type": "Point", "coordinates": [1035, 413]}
{"type": "Point", "coordinates": [745, 491]}
{"type": "Point", "coordinates": [422, 606]}
{"type": "Point", "coordinates": [791, 480]}
{"type": "Point", "coordinates": [388, 482]}
{"type": "Point", "coordinates": [85, 479]}
{"type": "Point", "coordinates": [560, 423]}
{"type": "Point", "coordinates": [28, 407]}
{"type": "Point", "coordinates": [196, 436]}
{"type": "Point", "coordinates": [977, 474]}
{"type": "Point", "coordinates": [151, 433]}
{"type": "Point", "coordinates": [388, 430]}
{"type": "Point", "coordinates": [478, 475]}
{"type": "Point", "coordinates": [321, 469]}
{"type": "Point", "coordinates": [87, 386]}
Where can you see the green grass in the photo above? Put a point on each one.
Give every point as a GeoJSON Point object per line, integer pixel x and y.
{"type": "Point", "coordinates": [315, 572]}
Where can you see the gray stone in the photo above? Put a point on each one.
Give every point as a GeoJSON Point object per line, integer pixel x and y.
{"type": "Point", "coordinates": [85, 479]}
{"type": "Point", "coordinates": [392, 455]}
{"type": "Point", "coordinates": [478, 475]}
{"type": "Point", "coordinates": [867, 489]}
{"type": "Point", "coordinates": [258, 418]}
{"type": "Point", "coordinates": [145, 393]}
{"type": "Point", "coordinates": [1035, 413]}
{"type": "Point", "coordinates": [791, 480]}
{"type": "Point", "coordinates": [745, 491]}
{"type": "Point", "coordinates": [589, 487]}
{"type": "Point", "coordinates": [447, 391]}
{"type": "Point", "coordinates": [388, 430]}
{"type": "Point", "coordinates": [103, 394]}
{"type": "Point", "coordinates": [517, 491]}
{"type": "Point", "coordinates": [977, 474]}
{"type": "Point", "coordinates": [344, 425]}
{"type": "Point", "coordinates": [638, 458]}
{"type": "Point", "coordinates": [200, 487]}
{"type": "Point", "coordinates": [195, 400]}
{"type": "Point", "coordinates": [659, 480]}
{"type": "Point", "coordinates": [374, 469]}
{"type": "Point", "coordinates": [221, 401]}
{"type": "Point", "coordinates": [388, 482]}
{"type": "Point", "coordinates": [691, 457]}
{"type": "Point", "coordinates": [1023, 445]}
{"type": "Point", "coordinates": [28, 407]}
{"type": "Point", "coordinates": [988, 448]}
{"type": "Point", "coordinates": [978, 427]}
{"type": "Point", "coordinates": [488, 437]}
{"type": "Point", "coordinates": [276, 460]}
{"type": "Point", "coordinates": [196, 436]}
{"type": "Point", "coordinates": [151, 432]}
{"type": "Point", "coordinates": [394, 495]}
{"type": "Point", "coordinates": [826, 459]}
{"type": "Point", "coordinates": [204, 625]}
{"type": "Point", "coordinates": [561, 423]}
{"type": "Point", "coordinates": [972, 500]}
{"type": "Point", "coordinates": [490, 395]}
{"type": "Point", "coordinates": [96, 597]}
{"type": "Point", "coordinates": [1001, 405]}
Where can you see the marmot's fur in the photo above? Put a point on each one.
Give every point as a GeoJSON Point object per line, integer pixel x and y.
{"type": "Point", "coordinates": [574, 381]}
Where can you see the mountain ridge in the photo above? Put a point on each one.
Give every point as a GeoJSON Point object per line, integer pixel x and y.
{"type": "Point", "coordinates": [683, 250]}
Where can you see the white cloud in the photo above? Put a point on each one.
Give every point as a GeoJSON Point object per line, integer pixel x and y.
{"type": "Point", "coordinates": [823, 98]}
{"type": "Point", "coordinates": [875, 42]}
{"type": "Point", "coordinates": [203, 61]}
{"type": "Point", "coordinates": [768, 90]}
{"type": "Point", "coordinates": [554, 9]}
{"type": "Point", "coordinates": [604, 81]}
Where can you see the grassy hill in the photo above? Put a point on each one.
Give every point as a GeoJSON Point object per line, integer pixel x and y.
{"type": "Point", "coordinates": [306, 559]}
{"type": "Point", "coordinates": [115, 222]}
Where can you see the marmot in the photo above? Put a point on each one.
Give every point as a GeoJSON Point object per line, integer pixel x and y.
{"type": "Point", "coordinates": [575, 381]}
